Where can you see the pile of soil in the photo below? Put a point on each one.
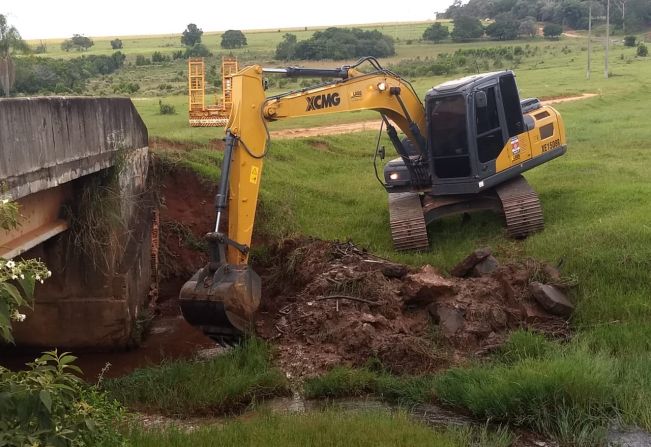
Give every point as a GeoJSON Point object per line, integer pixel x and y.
{"type": "Point", "coordinates": [331, 303]}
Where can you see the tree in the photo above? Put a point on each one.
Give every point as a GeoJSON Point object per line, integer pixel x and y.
{"type": "Point", "coordinates": [10, 43]}
{"type": "Point", "coordinates": [528, 27]}
{"type": "Point", "coordinates": [116, 44]}
{"type": "Point", "coordinates": [642, 50]}
{"type": "Point", "coordinates": [436, 32]}
{"type": "Point", "coordinates": [344, 43]}
{"type": "Point", "coordinates": [82, 42]}
{"type": "Point", "coordinates": [573, 13]}
{"type": "Point", "coordinates": [504, 27]}
{"type": "Point", "coordinates": [233, 38]}
{"type": "Point", "coordinates": [466, 28]}
{"type": "Point", "coordinates": [552, 31]}
{"type": "Point", "coordinates": [191, 35]}
{"type": "Point", "coordinates": [77, 42]}
{"type": "Point", "coordinates": [287, 48]}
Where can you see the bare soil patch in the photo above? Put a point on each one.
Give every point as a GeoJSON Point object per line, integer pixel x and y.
{"type": "Point", "coordinates": [330, 303]}
{"type": "Point", "coordinates": [186, 215]}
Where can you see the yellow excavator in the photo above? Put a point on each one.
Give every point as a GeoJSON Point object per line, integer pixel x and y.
{"type": "Point", "coordinates": [463, 150]}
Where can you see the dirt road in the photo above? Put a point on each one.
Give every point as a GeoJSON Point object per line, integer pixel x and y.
{"type": "Point", "coordinates": [337, 129]}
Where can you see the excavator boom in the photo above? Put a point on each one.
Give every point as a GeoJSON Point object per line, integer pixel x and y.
{"type": "Point", "coordinates": [222, 297]}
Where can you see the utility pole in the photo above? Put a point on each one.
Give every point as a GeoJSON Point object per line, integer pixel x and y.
{"type": "Point", "coordinates": [607, 38]}
{"type": "Point", "coordinates": [587, 73]}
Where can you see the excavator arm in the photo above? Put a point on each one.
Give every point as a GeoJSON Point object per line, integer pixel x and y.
{"type": "Point", "coordinates": [222, 296]}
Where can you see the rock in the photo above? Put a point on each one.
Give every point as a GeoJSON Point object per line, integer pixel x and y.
{"type": "Point", "coordinates": [424, 286]}
{"type": "Point", "coordinates": [394, 270]}
{"type": "Point", "coordinates": [486, 266]}
{"type": "Point", "coordinates": [449, 319]}
{"type": "Point", "coordinates": [551, 299]}
{"type": "Point", "coordinates": [464, 268]}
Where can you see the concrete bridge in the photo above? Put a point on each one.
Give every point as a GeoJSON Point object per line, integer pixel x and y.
{"type": "Point", "coordinates": [78, 168]}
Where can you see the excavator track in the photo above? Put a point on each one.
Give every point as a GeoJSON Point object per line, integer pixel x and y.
{"type": "Point", "coordinates": [521, 206]}
{"type": "Point", "coordinates": [408, 228]}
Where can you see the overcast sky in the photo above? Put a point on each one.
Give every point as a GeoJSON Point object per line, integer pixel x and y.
{"type": "Point", "coordinates": [40, 19]}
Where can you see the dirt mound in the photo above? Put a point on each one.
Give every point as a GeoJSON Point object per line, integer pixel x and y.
{"type": "Point", "coordinates": [329, 303]}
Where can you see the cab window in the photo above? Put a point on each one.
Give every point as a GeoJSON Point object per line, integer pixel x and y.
{"type": "Point", "coordinates": [490, 140]}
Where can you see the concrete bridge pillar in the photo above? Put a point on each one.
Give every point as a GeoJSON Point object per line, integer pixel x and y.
{"type": "Point", "coordinates": [78, 167]}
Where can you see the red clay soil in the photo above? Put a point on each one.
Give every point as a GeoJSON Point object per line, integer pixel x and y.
{"type": "Point", "coordinates": [187, 213]}
{"type": "Point", "coordinates": [329, 303]}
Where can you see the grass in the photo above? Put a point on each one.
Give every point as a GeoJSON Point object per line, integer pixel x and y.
{"type": "Point", "coordinates": [220, 385]}
{"type": "Point", "coordinates": [556, 69]}
{"type": "Point", "coordinates": [326, 428]}
{"type": "Point", "coordinates": [570, 393]}
{"type": "Point", "coordinates": [597, 226]}
{"type": "Point", "coordinates": [353, 382]}
{"type": "Point", "coordinates": [596, 210]}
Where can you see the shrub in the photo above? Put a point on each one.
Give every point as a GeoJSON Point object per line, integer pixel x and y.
{"type": "Point", "coordinates": [127, 88]}
{"type": "Point", "coordinates": [48, 404]}
{"type": "Point", "coordinates": [466, 28]}
{"type": "Point", "coordinates": [42, 74]}
{"type": "Point", "coordinates": [552, 31]}
{"type": "Point", "coordinates": [197, 50]}
{"type": "Point", "coordinates": [158, 57]}
{"type": "Point", "coordinates": [166, 109]}
{"type": "Point", "coordinates": [642, 50]}
{"type": "Point", "coordinates": [116, 44]}
{"type": "Point", "coordinates": [142, 60]}
{"type": "Point", "coordinates": [436, 32]}
{"type": "Point", "coordinates": [629, 41]}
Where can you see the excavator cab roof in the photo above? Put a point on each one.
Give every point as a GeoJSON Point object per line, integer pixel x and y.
{"type": "Point", "coordinates": [467, 83]}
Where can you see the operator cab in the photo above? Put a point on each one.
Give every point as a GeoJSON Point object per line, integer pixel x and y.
{"type": "Point", "coordinates": [469, 122]}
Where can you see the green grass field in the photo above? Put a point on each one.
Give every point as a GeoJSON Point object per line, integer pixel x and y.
{"type": "Point", "coordinates": [598, 227]}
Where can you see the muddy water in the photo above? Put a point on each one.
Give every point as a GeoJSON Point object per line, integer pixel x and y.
{"type": "Point", "coordinates": [170, 337]}
{"type": "Point", "coordinates": [427, 413]}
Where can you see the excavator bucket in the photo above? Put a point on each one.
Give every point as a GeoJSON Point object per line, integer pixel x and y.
{"type": "Point", "coordinates": [221, 302]}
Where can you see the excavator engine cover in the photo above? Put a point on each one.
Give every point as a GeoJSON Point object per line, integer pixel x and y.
{"type": "Point", "coordinates": [221, 302]}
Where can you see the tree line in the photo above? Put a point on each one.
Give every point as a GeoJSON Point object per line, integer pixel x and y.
{"type": "Point", "coordinates": [336, 43]}
{"type": "Point", "coordinates": [628, 15]}
{"type": "Point", "coordinates": [468, 28]}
